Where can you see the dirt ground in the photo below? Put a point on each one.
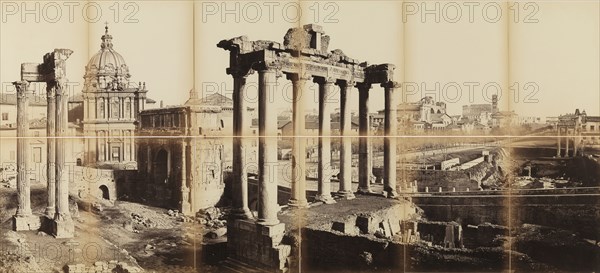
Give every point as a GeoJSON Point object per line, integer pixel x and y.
{"type": "Point", "coordinates": [136, 234]}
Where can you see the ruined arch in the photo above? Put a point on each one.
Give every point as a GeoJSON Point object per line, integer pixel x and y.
{"type": "Point", "coordinates": [161, 166]}
{"type": "Point", "coordinates": [104, 192]}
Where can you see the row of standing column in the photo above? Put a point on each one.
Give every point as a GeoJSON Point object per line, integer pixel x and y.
{"type": "Point", "coordinates": [267, 154]}
{"type": "Point", "coordinates": [567, 138]}
{"type": "Point", "coordinates": [58, 188]}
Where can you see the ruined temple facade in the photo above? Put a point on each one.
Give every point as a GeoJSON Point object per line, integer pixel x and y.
{"type": "Point", "coordinates": [303, 56]}
{"type": "Point", "coordinates": [110, 109]}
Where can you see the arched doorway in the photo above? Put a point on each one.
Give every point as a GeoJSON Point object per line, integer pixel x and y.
{"type": "Point", "coordinates": [105, 193]}
{"type": "Point", "coordinates": [161, 166]}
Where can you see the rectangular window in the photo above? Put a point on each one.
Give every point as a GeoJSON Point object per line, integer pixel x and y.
{"type": "Point", "coordinates": [591, 127]}
{"type": "Point", "coordinates": [4, 116]}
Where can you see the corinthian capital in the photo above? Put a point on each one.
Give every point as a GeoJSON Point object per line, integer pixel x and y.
{"type": "Point", "coordinates": [21, 87]}
{"type": "Point", "coordinates": [240, 72]}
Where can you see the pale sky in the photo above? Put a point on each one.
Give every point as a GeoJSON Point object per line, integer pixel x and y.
{"type": "Point", "coordinates": [552, 48]}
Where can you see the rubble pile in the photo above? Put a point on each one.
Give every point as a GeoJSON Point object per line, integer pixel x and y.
{"type": "Point", "coordinates": [141, 221]}
{"type": "Point", "coordinates": [213, 218]}
{"type": "Point", "coordinates": [102, 267]}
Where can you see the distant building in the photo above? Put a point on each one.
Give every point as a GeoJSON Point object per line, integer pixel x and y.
{"type": "Point", "coordinates": [184, 170]}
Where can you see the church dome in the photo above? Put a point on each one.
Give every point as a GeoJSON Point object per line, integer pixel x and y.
{"type": "Point", "coordinates": [107, 68]}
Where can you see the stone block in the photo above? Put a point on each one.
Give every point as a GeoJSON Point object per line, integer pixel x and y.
{"type": "Point", "coordinates": [394, 226]}
{"type": "Point", "coordinates": [344, 227]}
{"type": "Point", "coordinates": [272, 230]}
{"type": "Point", "coordinates": [246, 225]}
{"type": "Point", "coordinates": [366, 224]}
{"type": "Point", "coordinates": [29, 222]}
{"type": "Point", "coordinates": [63, 228]}
{"type": "Point", "coordinates": [280, 256]}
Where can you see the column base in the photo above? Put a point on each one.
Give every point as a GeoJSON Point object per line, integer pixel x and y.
{"type": "Point", "coordinates": [348, 195]}
{"type": "Point", "coordinates": [267, 222]}
{"type": "Point", "coordinates": [258, 245]}
{"type": "Point", "coordinates": [26, 222]}
{"type": "Point", "coordinates": [299, 204]}
{"type": "Point", "coordinates": [63, 228]}
{"type": "Point", "coordinates": [390, 194]}
{"type": "Point", "coordinates": [186, 209]}
{"type": "Point", "coordinates": [50, 211]}
{"type": "Point", "coordinates": [244, 214]}
{"type": "Point", "coordinates": [364, 190]}
{"type": "Point", "coordinates": [325, 198]}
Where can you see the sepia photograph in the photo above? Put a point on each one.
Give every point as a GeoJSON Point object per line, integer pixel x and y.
{"type": "Point", "coordinates": [299, 136]}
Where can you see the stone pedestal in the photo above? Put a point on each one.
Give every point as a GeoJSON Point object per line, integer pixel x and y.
{"type": "Point", "coordinates": [27, 222]}
{"type": "Point", "coordinates": [258, 245]}
{"type": "Point", "coordinates": [63, 228]}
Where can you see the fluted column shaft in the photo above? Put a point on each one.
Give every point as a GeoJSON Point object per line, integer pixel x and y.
{"type": "Point", "coordinates": [390, 142]}
{"type": "Point", "coordinates": [346, 142]}
{"type": "Point", "coordinates": [62, 183]}
{"type": "Point", "coordinates": [364, 148]}
{"type": "Point", "coordinates": [23, 189]}
{"type": "Point", "coordinates": [267, 149]}
{"type": "Point", "coordinates": [241, 122]}
{"type": "Point", "coordinates": [51, 149]}
{"type": "Point", "coordinates": [298, 182]}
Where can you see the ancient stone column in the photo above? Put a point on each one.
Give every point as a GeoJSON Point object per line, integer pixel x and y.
{"type": "Point", "coordinates": [575, 142]}
{"type": "Point", "coordinates": [558, 140]}
{"type": "Point", "coordinates": [389, 145]}
{"type": "Point", "coordinates": [567, 142]}
{"type": "Point", "coordinates": [267, 148]}
{"type": "Point", "coordinates": [346, 142]}
{"type": "Point", "coordinates": [185, 191]}
{"type": "Point", "coordinates": [364, 150]}
{"type": "Point", "coordinates": [241, 123]}
{"type": "Point", "coordinates": [23, 216]}
{"type": "Point", "coordinates": [324, 167]}
{"type": "Point", "coordinates": [51, 149]}
{"type": "Point", "coordinates": [63, 224]}
{"type": "Point", "coordinates": [298, 183]}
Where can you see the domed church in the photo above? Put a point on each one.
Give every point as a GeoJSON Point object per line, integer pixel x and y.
{"type": "Point", "coordinates": [110, 104]}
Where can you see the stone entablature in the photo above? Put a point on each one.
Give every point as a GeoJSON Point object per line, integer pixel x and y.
{"type": "Point", "coordinates": [302, 57]}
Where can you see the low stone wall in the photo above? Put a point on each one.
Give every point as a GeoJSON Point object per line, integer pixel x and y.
{"type": "Point", "coordinates": [446, 234]}
{"type": "Point", "coordinates": [576, 210]}
{"type": "Point", "coordinates": [102, 267]}
{"type": "Point", "coordinates": [483, 235]}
